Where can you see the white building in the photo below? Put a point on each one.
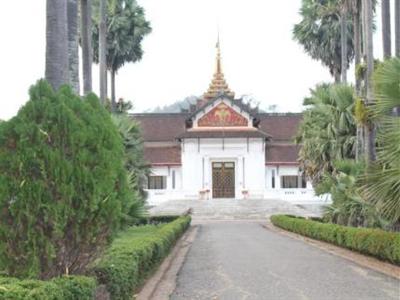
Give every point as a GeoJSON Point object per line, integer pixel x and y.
{"type": "Point", "coordinates": [222, 148]}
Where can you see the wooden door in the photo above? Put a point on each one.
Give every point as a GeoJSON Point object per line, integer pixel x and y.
{"type": "Point", "coordinates": [223, 176]}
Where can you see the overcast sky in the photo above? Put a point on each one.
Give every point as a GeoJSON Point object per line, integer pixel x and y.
{"type": "Point", "coordinates": [259, 55]}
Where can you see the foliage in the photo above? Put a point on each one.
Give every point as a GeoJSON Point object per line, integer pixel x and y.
{"type": "Point", "coordinates": [381, 184]}
{"type": "Point", "coordinates": [62, 288]}
{"type": "Point", "coordinates": [347, 208]}
{"type": "Point", "coordinates": [63, 184]}
{"type": "Point", "coordinates": [319, 33]}
{"type": "Point", "coordinates": [328, 130]}
{"type": "Point", "coordinates": [126, 28]}
{"type": "Point", "coordinates": [135, 164]}
{"type": "Point", "coordinates": [155, 220]}
{"type": "Point", "coordinates": [375, 242]}
{"type": "Point", "coordinates": [135, 254]}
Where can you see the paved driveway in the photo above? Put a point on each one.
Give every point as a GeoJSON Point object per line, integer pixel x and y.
{"type": "Point", "coordinates": [242, 260]}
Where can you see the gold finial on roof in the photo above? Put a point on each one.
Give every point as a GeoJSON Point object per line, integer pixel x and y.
{"type": "Point", "coordinates": [218, 84]}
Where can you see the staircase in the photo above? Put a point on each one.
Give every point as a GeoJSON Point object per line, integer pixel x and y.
{"type": "Point", "coordinates": [232, 208]}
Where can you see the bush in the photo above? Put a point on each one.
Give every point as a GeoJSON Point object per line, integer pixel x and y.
{"type": "Point", "coordinates": [375, 242]}
{"type": "Point", "coordinates": [135, 254]}
{"type": "Point", "coordinates": [63, 184]}
{"type": "Point", "coordinates": [63, 288]}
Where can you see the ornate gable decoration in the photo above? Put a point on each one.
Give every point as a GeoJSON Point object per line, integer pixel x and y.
{"type": "Point", "coordinates": [222, 116]}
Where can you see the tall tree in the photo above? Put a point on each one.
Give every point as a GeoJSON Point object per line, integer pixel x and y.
{"type": "Point", "coordinates": [103, 50]}
{"type": "Point", "coordinates": [343, 39]}
{"type": "Point", "coordinates": [320, 34]}
{"type": "Point", "coordinates": [386, 31]}
{"type": "Point", "coordinates": [73, 44]}
{"type": "Point", "coordinates": [57, 62]}
{"type": "Point", "coordinates": [369, 57]}
{"type": "Point", "coordinates": [86, 43]}
{"type": "Point", "coordinates": [127, 26]}
{"type": "Point", "coordinates": [397, 26]}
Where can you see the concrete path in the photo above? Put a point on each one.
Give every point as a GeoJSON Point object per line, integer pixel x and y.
{"type": "Point", "coordinates": [242, 260]}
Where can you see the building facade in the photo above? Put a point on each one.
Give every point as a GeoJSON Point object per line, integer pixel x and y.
{"type": "Point", "coordinates": [222, 148]}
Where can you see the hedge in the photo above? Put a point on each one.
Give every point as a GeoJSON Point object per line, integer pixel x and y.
{"type": "Point", "coordinates": [135, 255]}
{"type": "Point", "coordinates": [155, 220]}
{"type": "Point", "coordinates": [375, 242]}
{"type": "Point", "coordinates": [62, 288]}
{"type": "Point", "coordinates": [130, 259]}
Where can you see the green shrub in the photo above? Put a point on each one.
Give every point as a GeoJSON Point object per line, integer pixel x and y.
{"type": "Point", "coordinates": [63, 184]}
{"type": "Point", "coordinates": [375, 242]}
{"type": "Point", "coordinates": [62, 288]}
{"type": "Point", "coordinates": [135, 254]}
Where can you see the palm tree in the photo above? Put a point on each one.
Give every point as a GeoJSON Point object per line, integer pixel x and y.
{"type": "Point", "coordinates": [86, 43]}
{"type": "Point", "coordinates": [57, 70]}
{"type": "Point", "coordinates": [73, 44]}
{"type": "Point", "coordinates": [386, 32]}
{"type": "Point", "coordinates": [127, 27]}
{"type": "Point", "coordinates": [343, 9]}
{"type": "Point", "coordinates": [103, 50]}
{"type": "Point", "coordinates": [369, 57]}
{"type": "Point", "coordinates": [319, 32]}
{"type": "Point", "coordinates": [397, 26]}
{"type": "Point", "coordinates": [327, 132]}
{"type": "Point", "coordinates": [382, 182]}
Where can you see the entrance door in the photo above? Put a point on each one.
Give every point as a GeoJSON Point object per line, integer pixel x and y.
{"type": "Point", "coordinates": [223, 176]}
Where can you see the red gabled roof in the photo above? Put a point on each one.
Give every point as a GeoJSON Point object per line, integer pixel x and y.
{"type": "Point", "coordinates": [160, 127]}
{"type": "Point", "coordinates": [281, 154]}
{"type": "Point", "coordinates": [282, 127]}
{"type": "Point", "coordinates": [163, 156]}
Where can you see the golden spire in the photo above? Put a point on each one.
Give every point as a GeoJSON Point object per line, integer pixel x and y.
{"type": "Point", "coordinates": [218, 84]}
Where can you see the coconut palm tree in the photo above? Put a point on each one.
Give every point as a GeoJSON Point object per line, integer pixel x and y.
{"type": "Point", "coordinates": [73, 44]}
{"type": "Point", "coordinates": [57, 62]}
{"type": "Point", "coordinates": [103, 50]}
{"type": "Point", "coordinates": [127, 27]}
{"type": "Point", "coordinates": [397, 26]}
{"type": "Point", "coordinates": [369, 57]}
{"type": "Point", "coordinates": [86, 43]}
{"type": "Point", "coordinates": [386, 31]}
{"type": "Point", "coordinates": [382, 182]}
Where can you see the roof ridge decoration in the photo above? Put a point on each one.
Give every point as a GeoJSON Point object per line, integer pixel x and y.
{"type": "Point", "coordinates": [218, 84]}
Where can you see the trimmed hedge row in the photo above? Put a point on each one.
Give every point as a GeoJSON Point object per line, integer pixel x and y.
{"type": "Point", "coordinates": [375, 242]}
{"type": "Point", "coordinates": [135, 254]}
{"type": "Point", "coordinates": [132, 256]}
{"type": "Point", "coordinates": [155, 220]}
{"type": "Point", "coordinates": [63, 288]}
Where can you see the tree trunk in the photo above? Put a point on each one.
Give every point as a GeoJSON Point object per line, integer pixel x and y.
{"type": "Point", "coordinates": [57, 71]}
{"type": "Point", "coordinates": [386, 32]}
{"type": "Point", "coordinates": [357, 60]}
{"type": "Point", "coordinates": [357, 47]}
{"type": "Point", "coordinates": [103, 50]}
{"type": "Point", "coordinates": [343, 39]}
{"type": "Point", "coordinates": [87, 51]}
{"type": "Point", "coordinates": [336, 76]}
{"type": "Point", "coordinates": [73, 44]}
{"type": "Point", "coordinates": [369, 53]}
{"type": "Point", "coordinates": [397, 26]}
{"type": "Point", "coordinates": [113, 102]}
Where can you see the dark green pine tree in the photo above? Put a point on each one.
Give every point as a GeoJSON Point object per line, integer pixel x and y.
{"type": "Point", "coordinates": [63, 185]}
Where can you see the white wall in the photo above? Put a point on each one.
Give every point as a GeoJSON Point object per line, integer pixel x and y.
{"type": "Point", "coordinates": [248, 156]}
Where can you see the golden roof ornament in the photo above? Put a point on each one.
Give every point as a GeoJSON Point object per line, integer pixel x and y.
{"type": "Point", "coordinates": [218, 84]}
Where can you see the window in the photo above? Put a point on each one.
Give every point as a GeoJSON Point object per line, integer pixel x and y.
{"type": "Point", "coordinates": [289, 182]}
{"type": "Point", "coordinates": [273, 178]}
{"type": "Point", "coordinates": [157, 182]}
{"type": "Point", "coordinates": [173, 179]}
{"type": "Point", "coordinates": [293, 182]}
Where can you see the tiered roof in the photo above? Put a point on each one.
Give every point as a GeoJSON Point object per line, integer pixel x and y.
{"type": "Point", "coordinates": [218, 84]}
